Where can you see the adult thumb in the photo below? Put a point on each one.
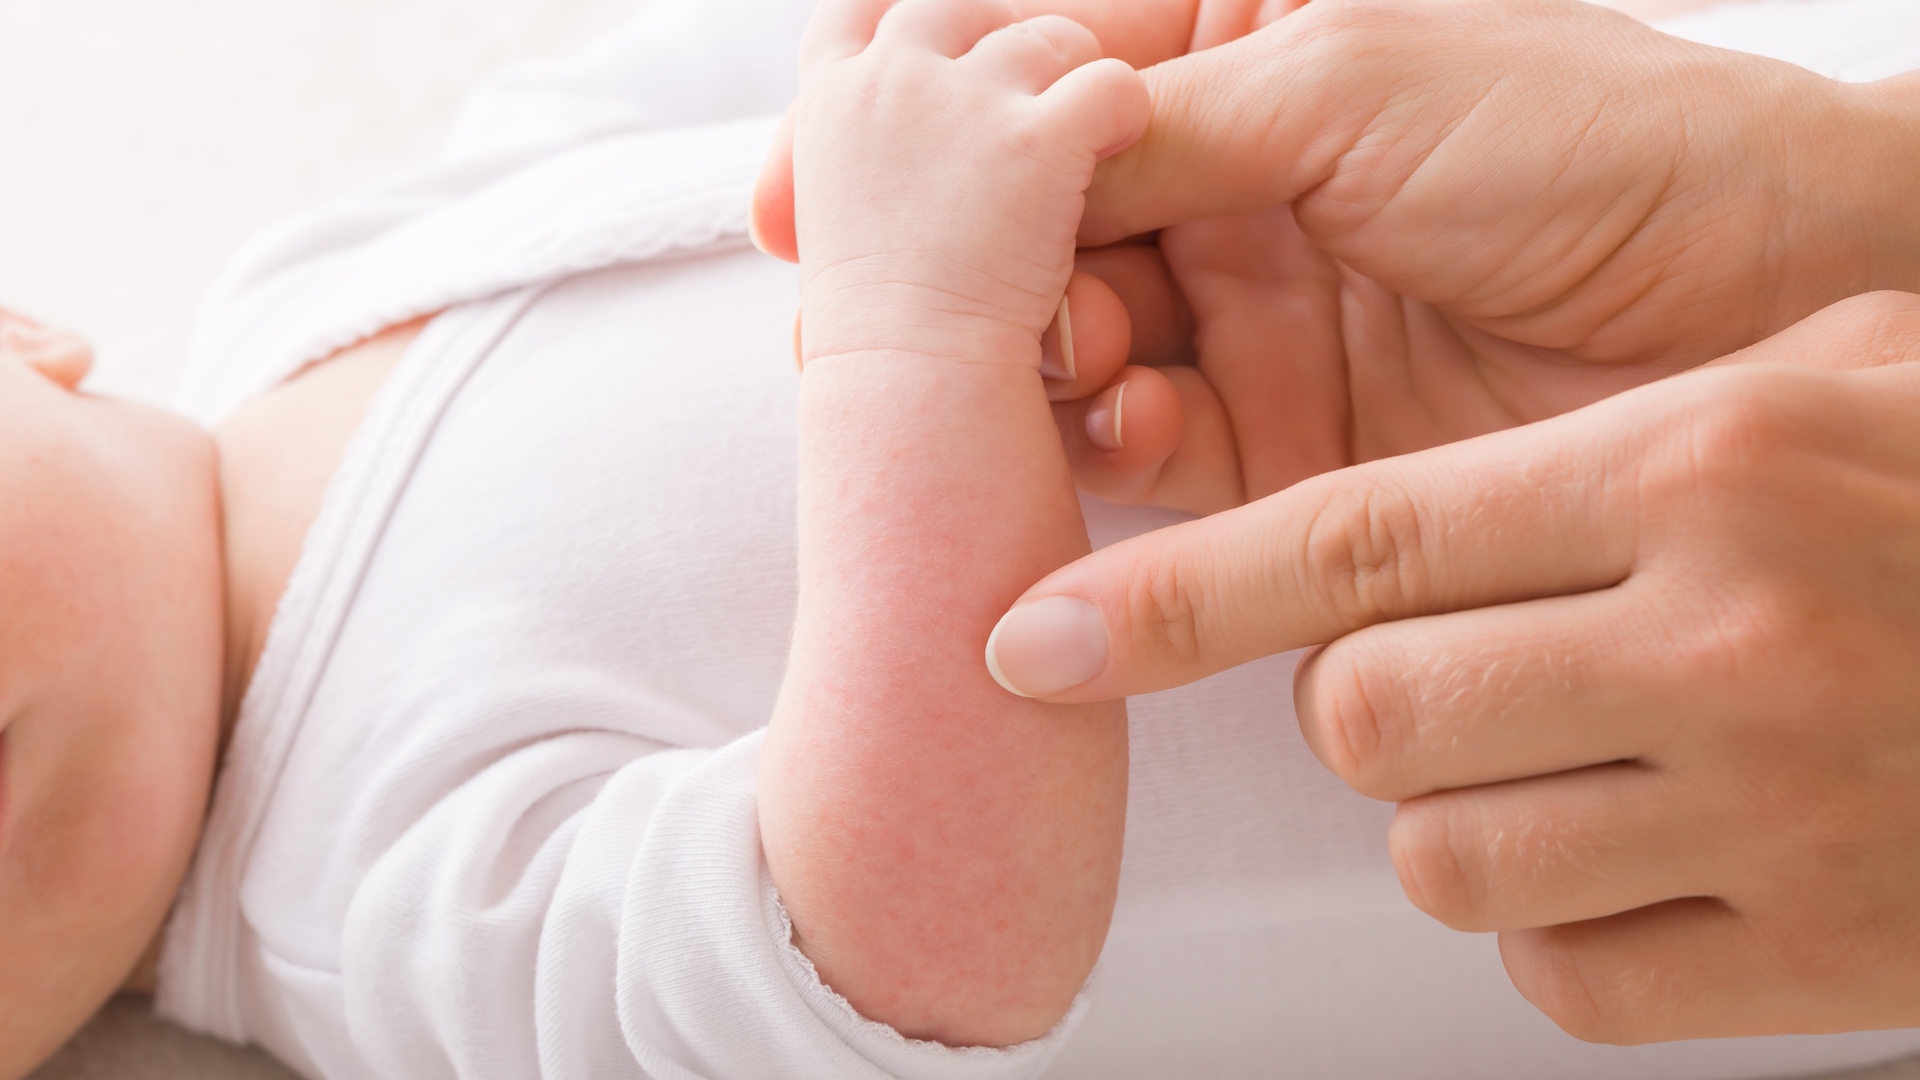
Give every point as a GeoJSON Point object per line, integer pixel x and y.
{"type": "Point", "coordinates": [1233, 129]}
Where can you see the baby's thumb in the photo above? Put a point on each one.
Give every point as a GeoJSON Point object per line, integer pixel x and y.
{"type": "Point", "coordinates": [771, 223]}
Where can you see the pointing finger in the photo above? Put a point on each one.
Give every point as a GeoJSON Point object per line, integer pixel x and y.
{"type": "Point", "coordinates": [1539, 511]}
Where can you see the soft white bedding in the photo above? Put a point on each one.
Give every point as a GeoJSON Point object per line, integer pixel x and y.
{"type": "Point", "coordinates": [141, 143]}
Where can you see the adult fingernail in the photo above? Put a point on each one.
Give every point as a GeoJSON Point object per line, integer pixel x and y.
{"type": "Point", "coordinates": [1056, 347]}
{"type": "Point", "coordinates": [1104, 417]}
{"type": "Point", "coordinates": [1048, 646]}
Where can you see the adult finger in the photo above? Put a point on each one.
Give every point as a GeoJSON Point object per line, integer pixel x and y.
{"type": "Point", "coordinates": [1406, 708]}
{"type": "Point", "coordinates": [1118, 440]}
{"type": "Point", "coordinates": [1161, 321]}
{"type": "Point", "coordinates": [1229, 133]}
{"type": "Point", "coordinates": [1554, 849]}
{"type": "Point", "coordinates": [1269, 118]}
{"type": "Point", "coordinates": [1176, 446]}
{"type": "Point", "coordinates": [1532, 512]}
{"type": "Point", "coordinates": [1865, 331]}
{"type": "Point", "coordinates": [1696, 968]}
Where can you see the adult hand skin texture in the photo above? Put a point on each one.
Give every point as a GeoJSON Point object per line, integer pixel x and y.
{"type": "Point", "coordinates": [1400, 223]}
{"type": "Point", "coordinates": [1641, 677]}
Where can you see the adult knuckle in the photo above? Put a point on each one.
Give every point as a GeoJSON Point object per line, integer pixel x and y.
{"type": "Point", "coordinates": [1551, 972]}
{"type": "Point", "coordinates": [1723, 434]}
{"type": "Point", "coordinates": [1435, 871]}
{"type": "Point", "coordinates": [1165, 603]}
{"type": "Point", "coordinates": [1365, 552]}
{"type": "Point", "coordinates": [1357, 722]}
{"type": "Point", "coordinates": [1731, 636]}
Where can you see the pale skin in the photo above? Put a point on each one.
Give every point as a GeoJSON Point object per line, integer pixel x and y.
{"type": "Point", "coordinates": [98, 819]}
{"type": "Point", "coordinates": [141, 559]}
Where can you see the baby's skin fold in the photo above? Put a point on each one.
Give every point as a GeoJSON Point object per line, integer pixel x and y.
{"type": "Point", "coordinates": [949, 852]}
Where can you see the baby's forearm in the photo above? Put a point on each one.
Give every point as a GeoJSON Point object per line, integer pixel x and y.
{"type": "Point", "coordinates": [949, 852]}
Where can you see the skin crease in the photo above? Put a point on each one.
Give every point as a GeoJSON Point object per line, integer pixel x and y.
{"type": "Point", "coordinates": [103, 780]}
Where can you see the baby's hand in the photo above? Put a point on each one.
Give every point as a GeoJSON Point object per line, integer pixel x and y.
{"type": "Point", "coordinates": [942, 151]}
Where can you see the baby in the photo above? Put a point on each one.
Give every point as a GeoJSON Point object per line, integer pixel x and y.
{"type": "Point", "coordinates": [153, 594]}
{"type": "Point", "coordinates": [497, 602]}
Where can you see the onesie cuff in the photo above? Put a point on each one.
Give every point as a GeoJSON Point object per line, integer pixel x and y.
{"type": "Point", "coordinates": [892, 1052]}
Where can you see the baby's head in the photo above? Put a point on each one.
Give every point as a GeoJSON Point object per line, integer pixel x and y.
{"type": "Point", "coordinates": [111, 645]}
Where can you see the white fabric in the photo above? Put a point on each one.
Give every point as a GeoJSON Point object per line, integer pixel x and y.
{"type": "Point", "coordinates": [489, 810]}
{"type": "Point", "coordinates": [1849, 40]}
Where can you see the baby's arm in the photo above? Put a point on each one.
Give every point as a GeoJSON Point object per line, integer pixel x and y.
{"type": "Point", "coordinates": [949, 853]}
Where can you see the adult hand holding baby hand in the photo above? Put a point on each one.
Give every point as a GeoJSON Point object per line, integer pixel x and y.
{"type": "Point", "coordinates": [1640, 676]}
{"type": "Point", "coordinates": [1399, 224]}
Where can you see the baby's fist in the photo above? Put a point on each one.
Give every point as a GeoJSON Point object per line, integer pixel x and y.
{"type": "Point", "coordinates": [942, 151]}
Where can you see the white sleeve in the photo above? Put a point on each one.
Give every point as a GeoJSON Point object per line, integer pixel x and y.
{"type": "Point", "coordinates": [550, 919]}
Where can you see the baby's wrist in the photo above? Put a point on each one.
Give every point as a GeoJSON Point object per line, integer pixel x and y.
{"type": "Point", "coordinates": [914, 335]}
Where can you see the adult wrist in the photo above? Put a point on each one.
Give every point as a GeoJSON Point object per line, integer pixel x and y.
{"type": "Point", "coordinates": [1886, 136]}
{"type": "Point", "coordinates": [1853, 163]}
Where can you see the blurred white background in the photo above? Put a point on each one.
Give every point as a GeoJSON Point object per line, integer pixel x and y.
{"type": "Point", "coordinates": [142, 142]}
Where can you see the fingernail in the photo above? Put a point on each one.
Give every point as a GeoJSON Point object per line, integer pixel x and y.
{"type": "Point", "coordinates": [1104, 419]}
{"type": "Point", "coordinates": [1048, 646]}
{"type": "Point", "coordinates": [1056, 347]}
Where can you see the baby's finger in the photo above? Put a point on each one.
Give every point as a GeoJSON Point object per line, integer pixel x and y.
{"type": "Point", "coordinates": [1034, 54]}
{"type": "Point", "coordinates": [839, 29]}
{"type": "Point", "coordinates": [771, 221]}
{"type": "Point", "coordinates": [60, 355]}
{"type": "Point", "coordinates": [1118, 440]}
{"type": "Point", "coordinates": [1159, 316]}
{"type": "Point", "coordinates": [947, 27]}
{"type": "Point", "coordinates": [1088, 342]}
{"type": "Point", "coordinates": [1102, 106]}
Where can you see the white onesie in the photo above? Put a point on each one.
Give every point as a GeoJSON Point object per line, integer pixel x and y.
{"type": "Point", "coordinates": [489, 810]}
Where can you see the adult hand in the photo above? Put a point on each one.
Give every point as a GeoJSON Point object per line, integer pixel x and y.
{"type": "Point", "coordinates": [1400, 223]}
{"type": "Point", "coordinates": [1643, 677]}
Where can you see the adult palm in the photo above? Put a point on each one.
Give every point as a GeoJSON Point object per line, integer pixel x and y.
{"type": "Point", "coordinates": [1400, 223]}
